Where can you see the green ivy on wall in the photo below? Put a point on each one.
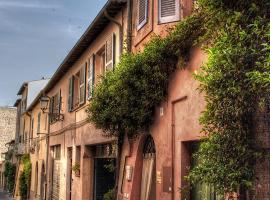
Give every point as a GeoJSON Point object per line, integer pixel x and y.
{"type": "Point", "coordinates": [9, 173]}
{"type": "Point", "coordinates": [236, 35]}
{"type": "Point", "coordinates": [25, 177]}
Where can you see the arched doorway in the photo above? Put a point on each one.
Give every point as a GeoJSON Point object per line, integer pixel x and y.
{"type": "Point", "coordinates": [148, 183]}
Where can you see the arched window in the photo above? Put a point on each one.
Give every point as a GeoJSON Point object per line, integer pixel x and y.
{"type": "Point", "coordinates": [148, 186]}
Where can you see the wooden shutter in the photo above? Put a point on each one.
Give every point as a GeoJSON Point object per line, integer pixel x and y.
{"type": "Point", "coordinates": [82, 85]}
{"type": "Point", "coordinates": [59, 102]}
{"type": "Point", "coordinates": [169, 10]}
{"type": "Point", "coordinates": [142, 13]}
{"type": "Point", "coordinates": [70, 93]}
{"type": "Point", "coordinates": [91, 77]}
{"type": "Point", "coordinates": [110, 53]}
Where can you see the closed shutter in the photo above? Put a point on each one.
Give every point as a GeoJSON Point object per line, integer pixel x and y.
{"type": "Point", "coordinates": [91, 77]}
{"type": "Point", "coordinates": [59, 102]}
{"type": "Point", "coordinates": [142, 13]}
{"type": "Point", "coordinates": [110, 53]}
{"type": "Point", "coordinates": [56, 180]}
{"type": "Point", "coordinates": [70, 93]}
{"type": "Point", "coordinates": [169, 11]}
{"type": "Point", "coordinates": [82, 85]}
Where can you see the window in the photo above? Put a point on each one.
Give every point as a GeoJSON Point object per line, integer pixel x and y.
{"type": "Point", "coordinates": [142, 13]}
{"type": "Point", "coordinates": [110, 53]}
{"type": "Point", "coordinates": [78, 155]}
{"type": "Point", "coordinates": [56, 150]}
{"type": "Point", "coordinates": [169, 11]}
{"type": "Point", "coordinates": [91, 77]}
{"type": "Point", "coordinates": [76, 95]}
{"type": "Point", "coordinates": [55, 107]}
{"type": "Point", "coordinates": [32, 129]}
{"type": "Point", "coordinates": [38, 125]}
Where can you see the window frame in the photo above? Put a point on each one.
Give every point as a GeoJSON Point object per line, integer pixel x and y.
{"type": "Point", "coordinates": [146, 14]}
{"type": "Point", "coordinates": [169, 19]}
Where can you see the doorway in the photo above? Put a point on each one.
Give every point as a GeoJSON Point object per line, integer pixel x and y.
{"type": "Point", "coordinates": [69, 173]}
{"type": "Point", "coordinates": [104, 170]}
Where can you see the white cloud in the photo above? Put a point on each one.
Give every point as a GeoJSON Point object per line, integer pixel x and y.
{"type": "Point", "coordinates": [24, 4]}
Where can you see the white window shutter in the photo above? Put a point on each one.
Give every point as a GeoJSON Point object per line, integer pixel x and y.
{"type": "Point", "coordinates": [82, 85]}
{"type": "Point", "coordinates": [169, 10]}
{"type": "Point", "coordinates": [110, 53]}
{"type": "Point", "coordinates": [142, 13]}
{"type": "Point", "coordinates": [91, 77]}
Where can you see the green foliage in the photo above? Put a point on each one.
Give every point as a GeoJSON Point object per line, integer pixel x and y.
{"type": "Point", "coordinates": [110, 195]}
{"type": "Point", "coordinates": [9, 173]}
{"type": "Point", "coordinates": [76, 167]}
{"type": "Point", "coordinates": [126, 99]}
{"type": "Point", "coordinates": [236, 35]}
{"type": "Point", "coordinates": [235, 76]}
{"type": "Point", "coordinates": [25, 177]}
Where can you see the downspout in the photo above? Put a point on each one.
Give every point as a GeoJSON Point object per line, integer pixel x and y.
{"type": "Point", "coordinates": [47, 159]}
{"type": "Point", "coordinates": [120, 27]}
{"type": "Point", "coordinates": [129, 26]}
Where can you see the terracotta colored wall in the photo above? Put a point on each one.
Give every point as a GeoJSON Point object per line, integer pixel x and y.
{"type": "Point", "coordinates": [84, 133]}
{"type": "Point", "coordinates": [179, 122]}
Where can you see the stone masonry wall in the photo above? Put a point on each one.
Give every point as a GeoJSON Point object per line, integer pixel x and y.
{"type": "Point", "coordinates": [7, 127]}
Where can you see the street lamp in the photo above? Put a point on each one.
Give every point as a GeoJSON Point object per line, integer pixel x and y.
{"type": "Point", "coordinates": [44, 103]}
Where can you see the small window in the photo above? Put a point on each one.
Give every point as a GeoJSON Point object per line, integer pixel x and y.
{"type": "Point", "coordinates": [169, 11]}
{"type": "Point", "coordinates": [55, 107]}
{"type": "Point", "coordinates": [38, 125]}
{"type": "Point", "coordinates": [142, 13]}
{"type": "Point", "coordinates": [56, 152]}
{"type": "Point", "coordinates": [110, 53]}
{"type": "Point", "coordinates": [77, 90]}
{"type": "Point", "coordinates": [91, 77]}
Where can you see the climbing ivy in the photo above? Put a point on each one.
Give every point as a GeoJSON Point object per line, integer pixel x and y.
{"type": "Point", "coordinates": [9, 173]}
{"type": "Point", "coordinates": [25, 177]}
{"type": "Point", "coordinates": [235, 34]}
{"type": "Point", "coordinates": [127, 97]}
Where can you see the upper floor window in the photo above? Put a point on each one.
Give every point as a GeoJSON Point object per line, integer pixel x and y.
{"type": "Point", "coordinates": [77, 89]}
{"type": "Point", "coordinates": [55, 107]}
{"type": "Point", "coordinates": [142, 13]}
{"type": "Point", "coordinates": [91, 77]}
{"type": "Point", "coordinates": [38, 122]}
{"type": "Point", "coordinates": [110, 53]}
{"type": "Point", "coordinates": [169, 11]}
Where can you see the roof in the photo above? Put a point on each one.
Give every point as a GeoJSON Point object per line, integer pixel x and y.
{"type": "Point", "coordinates": [96, 27]}
{"type": "Point", "coordinates": [17, 102]}
{"type": "Point", "coordinates": [112, 7]}
{"type": "Point", "coordinates": [23, 86]}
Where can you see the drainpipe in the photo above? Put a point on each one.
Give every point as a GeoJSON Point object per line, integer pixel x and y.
{"type": "Point", "coordinates": [173, 140]}
{"type": "Point", "coordinates": [129, 25]}
{"type": "Point", "coordinates": [47, 158]}
{"type": "Point", "coordinates": [120, 27]}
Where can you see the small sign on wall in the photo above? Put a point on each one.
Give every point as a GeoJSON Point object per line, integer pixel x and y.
{"type": "Point", "coordinates": [159, 177]}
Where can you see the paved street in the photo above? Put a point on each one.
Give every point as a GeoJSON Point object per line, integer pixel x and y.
{"type": "Point", "coordinates": [4, 196]}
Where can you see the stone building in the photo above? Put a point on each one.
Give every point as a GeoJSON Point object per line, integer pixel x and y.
{"type": "Point", "coordinates": [7, 134]}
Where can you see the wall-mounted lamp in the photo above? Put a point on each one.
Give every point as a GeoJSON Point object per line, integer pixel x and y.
{"type": "Point", "coordinates": [44, 103]}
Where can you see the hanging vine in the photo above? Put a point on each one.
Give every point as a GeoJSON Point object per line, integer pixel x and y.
{"type": "Point", "coordinates": [236, 35]}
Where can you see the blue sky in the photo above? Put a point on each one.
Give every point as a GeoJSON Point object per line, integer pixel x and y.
{"type": "Point", "coordinates": [35, 36]}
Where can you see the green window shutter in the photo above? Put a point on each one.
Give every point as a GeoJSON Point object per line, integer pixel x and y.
{"type": "Point", "coordinates": [70, 93]}
{"type": "Point", "coordinates": [59, 102]}
{"type": "Point", "coordinates": [91, 77]}
{"type": "Point", "coordinates": [82, 84]}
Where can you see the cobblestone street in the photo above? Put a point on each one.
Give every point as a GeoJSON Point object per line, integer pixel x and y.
{"type": "Point", "coordinates": [4, 195]}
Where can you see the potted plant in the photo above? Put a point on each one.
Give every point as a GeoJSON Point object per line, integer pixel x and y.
{"type": "Point", "coordinates": [76, 169]}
